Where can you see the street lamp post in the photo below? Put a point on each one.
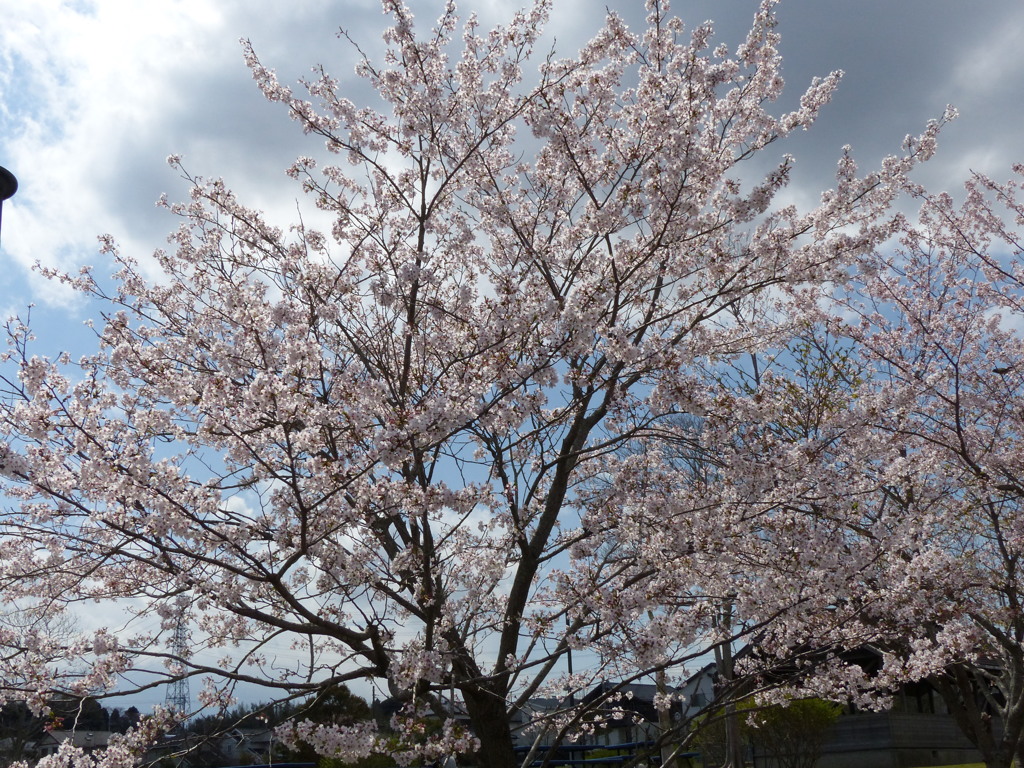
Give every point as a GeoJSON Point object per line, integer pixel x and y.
{"type": "Point", "coordinates": [8, 186]}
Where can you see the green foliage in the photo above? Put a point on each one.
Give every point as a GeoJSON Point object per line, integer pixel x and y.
{"type": "Point", "coordinates": [338, 705]}
{"type": "Point", "coordinates": [795, 734]}
{"type": "Point", "coordinates": [710, 737]}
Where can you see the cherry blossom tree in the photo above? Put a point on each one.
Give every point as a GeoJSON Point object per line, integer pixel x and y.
{"type": "Point", "coordinates": [893, 429]}
{"type": "Point", "coordinates": [950, 355]}
{"type": "Point", "coordinates": [408, 444]}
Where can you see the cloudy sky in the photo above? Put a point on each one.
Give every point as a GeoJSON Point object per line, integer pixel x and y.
{"type": "Point", "coordinates": [95, 94]}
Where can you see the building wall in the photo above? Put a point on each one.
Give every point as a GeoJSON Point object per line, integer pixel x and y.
{"type": "Point", "coordinates": [896, 740]}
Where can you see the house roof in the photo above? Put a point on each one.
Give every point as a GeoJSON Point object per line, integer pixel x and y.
{"type": "Point", "coordinates": [83, 739]}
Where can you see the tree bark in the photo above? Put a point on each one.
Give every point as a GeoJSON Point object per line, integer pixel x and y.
{"type": "Point", "coordinates": [489, 720]}
{"type": "Point", "coordinates": [958, 689]}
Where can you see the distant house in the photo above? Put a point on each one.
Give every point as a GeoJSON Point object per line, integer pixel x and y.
{"type": "Point", "coordinates": [88, 741]}
{"type": "Point", "coordinates": [629, 714]}
{"type": "Point", "coordinates": [916, 730]}
{"type": "Point", "coordinates": [528, 723]}
{"type": "Point", "coordinates": [249, 746]}
{"type": "Point", "coordinates": [238, 746]}
{"type": "Point", "coordinates": [697, 691]}
{"type": "Point", "coordinates": [894, 739]}
{"type": "Point", "coordinates": [625, 725]}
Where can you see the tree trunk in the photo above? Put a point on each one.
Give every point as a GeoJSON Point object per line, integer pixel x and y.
{"type": "Point", "coordinates": [489, 720]}
{"type": "Point", "coordinates": [959, 690]}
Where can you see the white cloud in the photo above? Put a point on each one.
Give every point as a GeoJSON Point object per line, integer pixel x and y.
{"type": "Point", "coordinates": [86, 82]}
{"type": "Point", "coordinates": [94, 94]}
{"type": "Point", "coordinates": [980, 67]}
{"type": "Point", "coordinates": [97, 94]}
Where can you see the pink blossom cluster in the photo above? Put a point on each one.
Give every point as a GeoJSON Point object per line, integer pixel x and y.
{"type": "Point", "coordinates": [557, 377]}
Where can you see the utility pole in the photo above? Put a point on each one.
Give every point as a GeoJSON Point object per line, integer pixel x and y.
{"type": "Point", "coordinates": [668, 749]}
{"type": "Point", "coordinates": [734, 747]}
